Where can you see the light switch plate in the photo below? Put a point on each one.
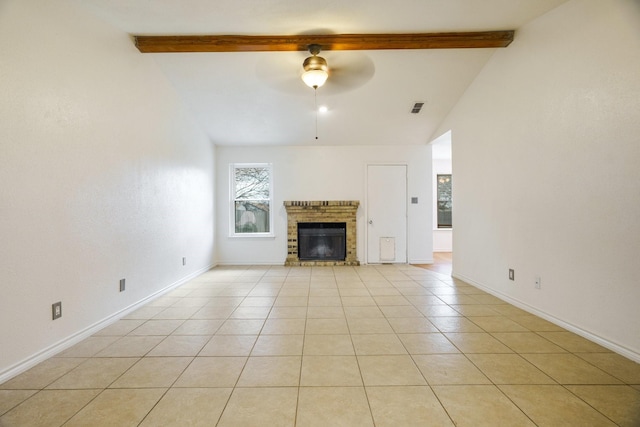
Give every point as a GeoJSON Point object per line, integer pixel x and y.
{"type": "Point", "coordinates": [56, 310]}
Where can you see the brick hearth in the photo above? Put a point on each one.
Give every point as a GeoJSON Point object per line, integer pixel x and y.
{"type": "Point", "coordinates": [321, 211]}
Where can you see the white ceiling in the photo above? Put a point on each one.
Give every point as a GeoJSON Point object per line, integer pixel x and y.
{"type": "Point", "coordinates": [258, 98]}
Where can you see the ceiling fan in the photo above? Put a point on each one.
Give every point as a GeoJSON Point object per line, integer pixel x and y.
{"type": "Point", "coordinates": [342, 71]}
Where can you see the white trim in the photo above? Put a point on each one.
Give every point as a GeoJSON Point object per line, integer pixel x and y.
{"type": "Point", "coordinates": [421, 261]}
{"type": "Point", "coordinates": [252, 235]}
{"type": "Point", "coordinates": [265, 263]}
{"type": "Point", "coordinates": [628, 353]}
{"type": "Point", "coordinates": [75, 338]}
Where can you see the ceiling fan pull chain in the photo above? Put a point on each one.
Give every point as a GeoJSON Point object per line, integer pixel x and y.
{"type": "Point", "coordinates": [315, 101]}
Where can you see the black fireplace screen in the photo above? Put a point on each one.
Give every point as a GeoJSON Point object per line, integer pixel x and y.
{"type": "Point", "coordinates": [319, 241]}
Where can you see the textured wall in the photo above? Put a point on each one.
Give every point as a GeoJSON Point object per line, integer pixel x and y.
{"type": "Point", "coordinates": [545, 156]}
{"type": "Point", "coordinates": [102, 176]}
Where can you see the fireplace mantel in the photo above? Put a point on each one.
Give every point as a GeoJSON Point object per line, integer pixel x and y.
{"type": "Point", "coordinates": [321, 211]}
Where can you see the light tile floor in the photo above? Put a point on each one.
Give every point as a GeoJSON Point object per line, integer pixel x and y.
{"type": "Point", "coordinates": [343, 346]}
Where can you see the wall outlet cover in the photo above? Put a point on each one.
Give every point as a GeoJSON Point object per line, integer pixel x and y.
{"type": "Point", "coordinates": [512, 274]}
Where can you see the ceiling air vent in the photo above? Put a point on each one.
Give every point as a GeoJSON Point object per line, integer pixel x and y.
{"type": "Point", "coordinates": [417, 107]}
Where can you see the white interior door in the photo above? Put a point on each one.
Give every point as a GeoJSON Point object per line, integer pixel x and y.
{"type": "Point", "coordinates": [386, 214]}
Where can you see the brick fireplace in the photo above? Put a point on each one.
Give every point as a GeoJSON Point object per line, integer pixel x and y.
{"type": "Point", "coordinates": [327, 211]}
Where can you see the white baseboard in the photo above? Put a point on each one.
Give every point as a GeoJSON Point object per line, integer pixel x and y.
{"type": "Point", "coordinates": [268, 263]}
{"type": "Point", "coordinates": [628, 353]}
{"type": "Point", "coordinates": [421, 261]}
{"type": "Point", "coordinates": [71, 340]}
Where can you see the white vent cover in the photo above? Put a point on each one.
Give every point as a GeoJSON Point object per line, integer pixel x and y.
{"type": "Point", "coordinates": [387, 249]}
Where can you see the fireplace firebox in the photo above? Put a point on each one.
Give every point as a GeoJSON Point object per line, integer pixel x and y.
{"type": "Point", "coordinates": [322, 241]}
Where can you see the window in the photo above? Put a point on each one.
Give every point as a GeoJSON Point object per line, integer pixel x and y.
{"type": "Point", "coordinates": [251, 200]}
{"type": "Point", "coordinates": [444, 201]}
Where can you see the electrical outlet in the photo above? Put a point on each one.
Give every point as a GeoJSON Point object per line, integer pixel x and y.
{"type": "Point", "coordinates": [538, 282]}
{"type": "Point", "coordinates": [512, 274]}
{"type": "Point", "coordinates": [56, 310]}
{"type": "Point", "coordinates": [122, 285]}
{"type": "Point", "coordinates": [184, 260]}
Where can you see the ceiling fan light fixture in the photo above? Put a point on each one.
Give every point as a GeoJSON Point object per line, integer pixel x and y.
{"type": "Point", "coordinates": [316, 70]}
{"type": "Point", "coordinates": [314, 78]}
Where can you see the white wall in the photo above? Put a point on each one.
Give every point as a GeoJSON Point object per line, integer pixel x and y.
{"type": "Point", "coordinates": [323, 173]}
{"type": "Point", "coordinates": [102, 177]}
{"type": "Point", "coordinates": [547, 182]}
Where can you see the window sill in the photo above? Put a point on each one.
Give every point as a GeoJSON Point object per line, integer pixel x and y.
{"type": "Point", "coordinates": [252, 235]}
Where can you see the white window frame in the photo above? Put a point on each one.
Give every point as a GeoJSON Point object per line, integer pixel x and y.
{"type": "Point", "coordinates": [232, 191]}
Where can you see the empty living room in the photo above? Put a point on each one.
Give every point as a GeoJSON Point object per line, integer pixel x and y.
{"type": "Point", "coordinates": [227, 213]}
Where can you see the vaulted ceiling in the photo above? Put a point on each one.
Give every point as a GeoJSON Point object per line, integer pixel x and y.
{"type": "Point", "coordinates": [258, 98]}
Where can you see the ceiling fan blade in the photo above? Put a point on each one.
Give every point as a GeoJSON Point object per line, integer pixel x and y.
{"type": "Point", "coordinates": [347, 71]}
{"type": "Point", "coordinates": [222, 43]}
{"type": "Point", "coordinates": [282, 72]}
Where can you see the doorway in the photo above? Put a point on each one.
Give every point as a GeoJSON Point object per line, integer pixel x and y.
{"type": "Point", "coordinates": [442, 168]}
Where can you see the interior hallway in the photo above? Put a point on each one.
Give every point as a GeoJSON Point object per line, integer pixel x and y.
{"type": "Point", "coordinates": [391, 345]}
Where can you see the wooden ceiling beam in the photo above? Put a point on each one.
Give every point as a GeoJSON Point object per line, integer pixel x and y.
{"type": "Point", "coordinates": [455, 40]}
